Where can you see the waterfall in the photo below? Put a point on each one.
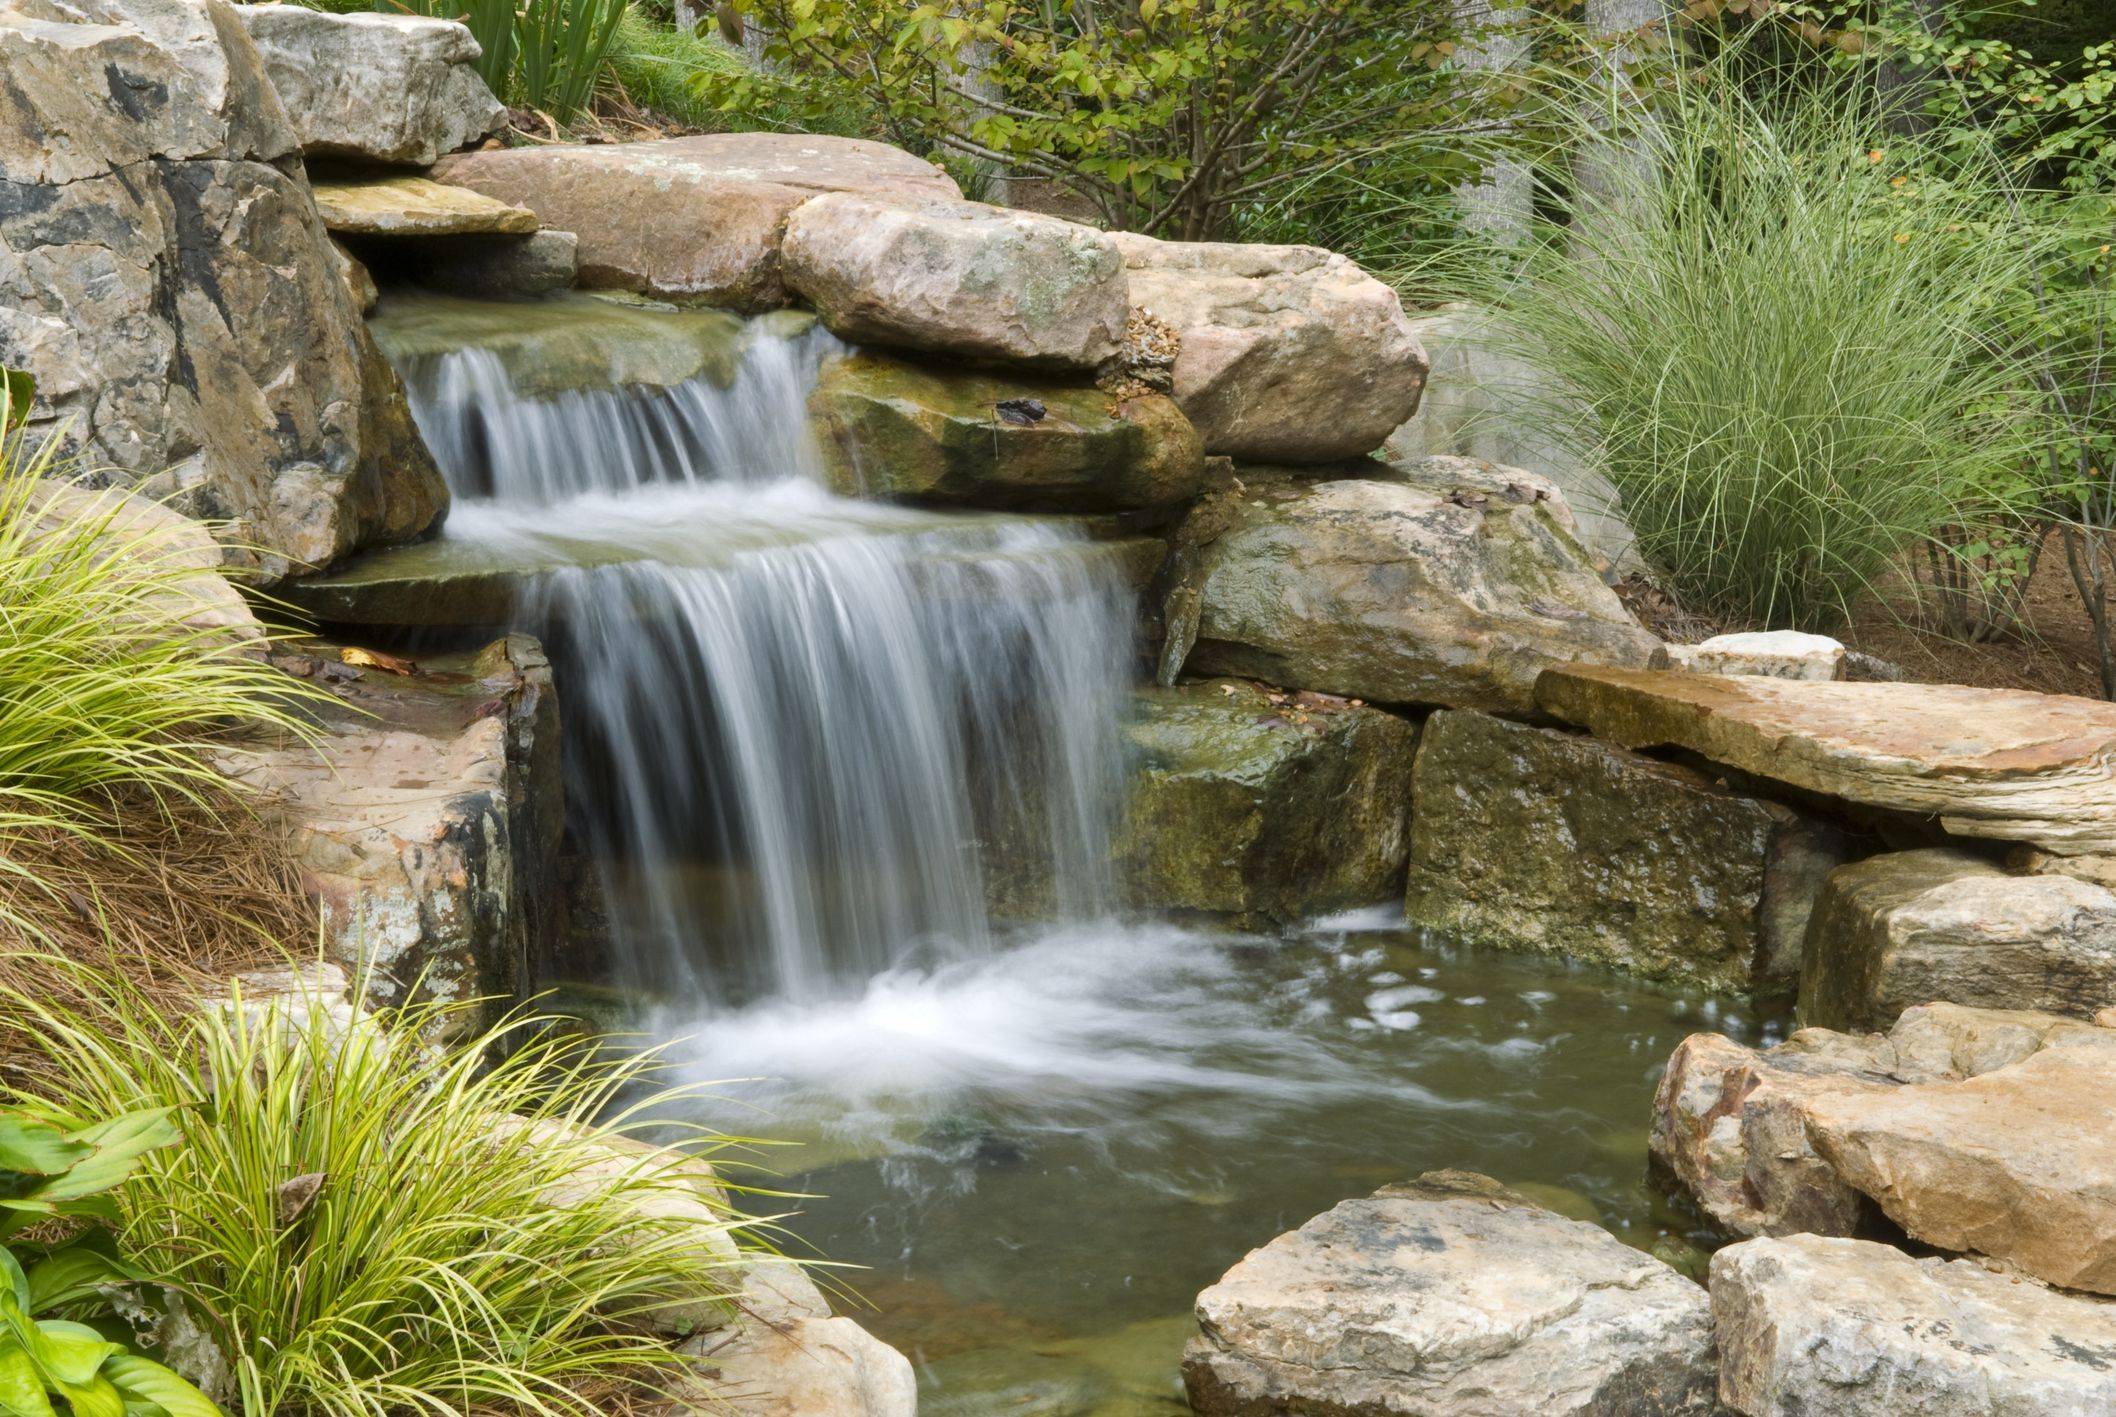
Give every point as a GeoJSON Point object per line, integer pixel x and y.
{"type": "Point", "coordinates": [823, 737]}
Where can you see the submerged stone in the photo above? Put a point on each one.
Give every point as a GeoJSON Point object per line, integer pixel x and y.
{"type": "Point", "coordinates": [1912, 926]}
{"type": "Point", "coordinates": [1261, 805]}
{"type": "Point", "coordinates": [958, 278]}
{"type": "Point", "coordinates": [694, 218]}
{"type": "Point", "coordinates": [1536, 839]}
{"type": "Point", "coordinates": [1450, 1295]}
{"type": "Point", "coordinates": [892, 429]}
{"type": "Point", "coordinates": [1812, 1327]}
{"type": "Point", "coordinates": [1997, 763]}
{"type": "Point", "coordinates": [1418, 586]}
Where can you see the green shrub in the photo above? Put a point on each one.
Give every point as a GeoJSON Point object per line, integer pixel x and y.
{"type": "Point", "coordinates": [548, 55]}
{"type": "Point", "coordinates": [52, 1173]}
{"type": "Point", "coordinates": [1788, 335]}
{"type": "Point", "coordinates": [667, 70]}
{"type": "Point", "coordinates": [368, 1222]}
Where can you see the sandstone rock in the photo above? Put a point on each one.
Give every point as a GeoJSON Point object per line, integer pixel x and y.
{"type": "Point", "coordinates": [426, 821]}
{"type": "Point", "coordinates": [1912, 926]}
{"type": "Point", "coordinates": [1970, 1129]}
{"type": "Point", "coordinates": [1407, 591]}
{"type": "Point", "coordinates": [500, 268]}
{"type": "Point", "coordinates": [958, 278]}
{"type": "Point", "coordinates": [798, 1367]}
{"type": "Point", "coordinates": [1812, 1327]}
{"type": "Point", "coordinates": [375, 87]}
{"type": "Point", "coordinates": [1775, 654]}
{"type": "Point", "coordinates": [690, 218]}
{"type": "Point", "coordinates": [1282, 812]}
{"type": "Point", "coordinates": [1536, 839]}
{"type": "Point", "coordinates": [1289, 353]}
{"type": "Point", "coordinates": [1449, 1297]}
{"type": "Point", "coordinates": [1475, 400]}
{"type": "Point", "coordinates": [164, 275]}
{"type": "Point", "coordinates": [892, 429]}
{"type": "Point", "coordinates": [2000, 763]}
{"type": "Point", "coordinates": [415, 206]}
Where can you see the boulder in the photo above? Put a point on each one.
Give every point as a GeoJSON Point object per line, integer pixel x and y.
{"type": "Point", "coordinates": [425, 818]}
{"type": "Point", "coordinates": [958, 438]}
{"type": "Point", "coordinates": [1414, 590]}
{"type": "Point", "coordinates": [415, 206]}
{"type": "Point", "coordinates": [1449, 1296]}
{"type": "Point", "coordinates": [2000, 763]}
{"type": "Point", "coordinates": [1289, 354]}
{"type": "Point", "coordinates": [1969, 1129]}
{"type": "Point", "coordinates": [1476, 405]}
{"type": "Point", "coordinates": [690, 218]}
{"type": "Point", "coordinates": [147, 539]}
{"type": "Point", "coordinates": [958, 278]}
{"type": "Point", "coordinates": [1939, 924]}
{"type": "Point", "coordinates": [1776, 654]}
{"type": "Point", "coordinates": [1895, 1334]}
{"type": "Point", "coordinates": [1537, 839]}
{"type": "Point", "coordinates": [374, 87]}
{"type": "Point", "coordinates": [1263, 806]}
{"type": "Point", "coordinates": [164, 275]}
{"type": "Point", "coordinates": [499, 268]}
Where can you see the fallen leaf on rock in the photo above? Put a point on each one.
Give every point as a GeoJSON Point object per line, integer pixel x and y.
{"type": "Point", "coordinates": [376, 659]}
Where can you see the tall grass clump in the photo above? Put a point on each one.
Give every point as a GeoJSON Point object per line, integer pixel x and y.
{"type": "Point", "coordinates": [363, 1221]}
{"type": "Point", "coordinates": [1788, 335]}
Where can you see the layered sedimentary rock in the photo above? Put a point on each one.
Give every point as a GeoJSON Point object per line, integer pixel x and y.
{"type": "Point", "coordinates": [1997, 763]}
{"type": "Point", "coordinates": [892, 429]}
{"type": "Point", "coordinates": [958, 278]}
{"type": "Point", "coordinates": [1537, 839]}
{"type": "Point", "coordinates": [1417, 588]}
{"type": "Point", "coordinates": [164, 275]}
{"type": "Point", "coordinates": [380, 88]}
{"type": "Point", "coordinates": [1449, 1295]}
{"type": "Point", "coordinates": [690, 218]}
{"type": "Point", "coordinates": [1939, 924]}
{"type": "Point", "coordinates": [1261, 805]}
{"type": "Point", "coordinates": [400, 207]}
{"type": "Point", "coordinates": [1288, 353]}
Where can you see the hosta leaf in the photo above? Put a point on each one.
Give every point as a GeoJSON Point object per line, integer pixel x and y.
{"type": "Point", "coordinates": [94, 1398]}
{"type": "Point", "coordinates": [36, 1148]}
{"type": "Point", "coordinates": [140, 1380]}
{"type": "Point", "coordinates": [67, 1352]}
{"type": "Point", "coordinates": [22, 1392]}
{"type": "Point", "coordinates": [74, 1272]}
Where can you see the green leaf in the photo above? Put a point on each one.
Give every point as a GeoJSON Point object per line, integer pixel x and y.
{"type": "Point", "coordinates": [36, 1148]}
{"type": "Point", "coordinates": [20, 387]}
{"type": "Point", "coordinates": [117, 1146]}
{"type": "Point", "coordinates": [74, 1272]}
{"type": "Point", "coordinates": [21, 1387]}
{"type": "Point", "coordinates": [94, 1398]}
{"type": "Point", "coordinates": [15, 1282]}
{"type": "Point", "coordinates": [138, 1379]}
{"type": "Point", "coordinates": [67, 1352]}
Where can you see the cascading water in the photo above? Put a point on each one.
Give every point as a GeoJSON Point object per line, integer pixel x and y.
{"type": "Point", "coordinates": [800, 727]}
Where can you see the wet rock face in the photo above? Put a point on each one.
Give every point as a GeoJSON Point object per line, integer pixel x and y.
{"type": "Point", "coordinates": [1911, 926]}
{"type": "Point", "coordinates": [1450, 1295]}
{"type": "Point", "coordinates": [1289, 353]}
{"type": "Point", "coordinates": [164, 275]}
{"type": "Point", "coordinates": [958, 278]}
{"type": "Point", "coordinates": [1416, 588]}
{"type": "Point", "coordinates": [426, 821]}
{"type": "Point", "coordinates": [1536, 839]}
{"type": "Point", "coordinates": [1972, 1130]}
{"type": "Point", "coordinates": [1261, 810]}
{"type": "Point", "coordinates": [956, 438]}
{"type": "Point", "coordinates": [696, 219]}
{"type": "Point", "coordinates": [1812, 1327]}
{"type": "Point", "coordinates": [379, 88]}
{"type": "Point", "coordinates": [2002, 764]}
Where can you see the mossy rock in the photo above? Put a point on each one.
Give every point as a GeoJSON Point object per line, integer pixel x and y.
{"type": "Point", "coordinates": [1262, 806]}
{"type": "Point", "coordinates": [903, 431]}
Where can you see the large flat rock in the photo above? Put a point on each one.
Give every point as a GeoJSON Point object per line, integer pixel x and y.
{"type": "Point", "coordinates": [1939, 924]}
{"type": "Point", "coordinates": [1812, 1327]}
{"type": "Point", "coordinates": [166, 278]}
{"type": "Point", "coordinates": [958, 278]}
{"type": "Point", "coordinates": [1449, 1297]}
{"type": "Point", "coordinates": [416, 206]}
{"type": "Point", "coordinates": [956, 437]}
{"type": "Point", "coordinates": [1998, 763]}
{"type": "Point", "coordinates": [690, 218]}
{"type": "Point", "coordinates": [1417, 587]}
{"type": "Point", "coordinates": [1974, 1130]}
{"type": "Point", "coordinates": [1263, 806]}
{"type": "Point", "coordinates": [1536, 839]}
{"type": "Point", "coordinates": [381, 88]}
{"type": "Point", "coordinates": [1289, 353]}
